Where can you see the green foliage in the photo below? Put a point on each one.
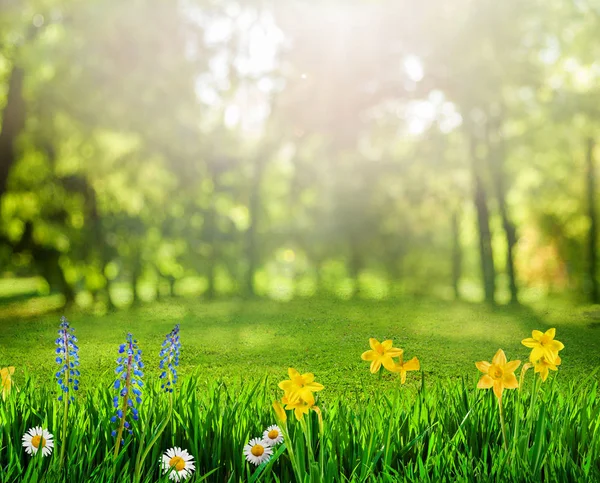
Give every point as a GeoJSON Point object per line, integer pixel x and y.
{"type": "Point", "coordinates": [339, 131]}
{"type": "Point", "coordinates": [445, 431]}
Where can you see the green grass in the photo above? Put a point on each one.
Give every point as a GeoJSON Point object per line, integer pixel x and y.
{"type": "Point", "coordinates": [238, 340]}
{"type": "Point", "coordinates": [444, 432]}
{"type": "Point", "coordinates": [438, 427]}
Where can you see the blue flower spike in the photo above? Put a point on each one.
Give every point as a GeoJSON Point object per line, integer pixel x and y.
{"type": "Point", "coordinates": [128, 386]}
{"type": "Point", "coordinates": [67, 358]}
{"type": "Point", "coordinates": [169, 359]}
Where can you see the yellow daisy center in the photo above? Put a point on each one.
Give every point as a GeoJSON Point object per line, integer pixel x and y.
{"type": "Point", "coordinates": [257, 450]}
{"type": "Point", "coordinates": [37, 440]}
{"type": "Point", "coordinates": [495, 372]}
{"type": "Point", "coordinates": [273, 434]}
{"type": "Point", "coordinates": [177, 462]}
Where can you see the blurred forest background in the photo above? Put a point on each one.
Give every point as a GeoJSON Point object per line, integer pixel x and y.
{"type": "Point", "coordinates": [292, 148]}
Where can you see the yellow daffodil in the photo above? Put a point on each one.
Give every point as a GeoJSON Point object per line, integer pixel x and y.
{"type": "Point", "coordinates": [543, 345]}
{"type": "Point", "coordinates": [301, 385]}
{"type": "Point", "coordinates": [403, 367]}
{"type": "Point", "coordinates": [381, 353]}
{"type": "Point", "coordinates": [7, 383]}
{"type": "Point", "coordinates": [279, 412]}
{"type": "Point", "coordinates": [500, 374]}
{"type": "Point", "coordinates": [542, 366]}
{"type": "Point", "coordinates": [298, 405]}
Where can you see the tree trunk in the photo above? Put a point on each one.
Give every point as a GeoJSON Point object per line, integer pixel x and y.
{"type": "Point", "coordinates": [456, 254]}
{"type": "Point", "coordinates": [254, 209]}
{"type": "Point", "coordinates": [13, 122]}
{"type": "Point", "coordinates": [483, 224]}
{"type": "Point", "coordinates": [593, 231]}
{"type": "Point", "coordinates": [496, 160]}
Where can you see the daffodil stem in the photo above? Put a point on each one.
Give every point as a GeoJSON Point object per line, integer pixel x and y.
{"type": "Point", "coordinates": [534, 391]}
{"type": "Point", "coordinates": [321, 448]}
{"type": "Point", "coordinates": [502, 423]}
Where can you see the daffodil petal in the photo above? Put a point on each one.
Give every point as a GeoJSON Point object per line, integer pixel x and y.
{"type": "Point", "coordinates": [483, 366]}
{"type": "Point", "coordinates": [485, 382]}
{"type": "Point", "coordinates": [374, 343]}
{"type": "Point", "coordinates": [388, 362]}
{"type": "Point", "coordinates": [412, 365]}
{"type": "Point", "coordinates": [498, 388]}
{"type": "Point", "coordinates": [387, 344]}
{"type": "Point", "coordinates": [285, 385]}
{"type": "Point", "coordinates": [509, 381]}
{"type": "Point", "coordinates": [511, 366]}
{"type": "Point", "coordinates": [536, 353]}
{"type": "Point", "coordinates": [314, 387]}
{"type": "Point", "coordinates": [375, 365]}
{"type": "Point", "coordinates": [402, 377]}
{"type": "Point", "coordinates": [308, 377]}
{"type": "Point", "coordinates": [307, 396]}
{"type": "Point", "coordinates": [293, 373]}
{"type": "Point", "coordinates": [550, 333]}
{"type": "Point", "coordinates": [393, 352]}
{"type": "Point", "coordinates": [531, 343]}
{"type": "Point", "coordinates": [368, 355]}
{"type": "Point", "coordinates": [556, 346]}
{"type": "Point", "coordinates": [499, 358]}
{"type": "Point", "coordinates": [536, 334]}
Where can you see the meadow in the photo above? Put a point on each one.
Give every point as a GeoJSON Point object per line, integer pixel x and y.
{"type": "Point", "coordinates": [436, 427]}
{"type": "Point", "coordinates": [243, 340]}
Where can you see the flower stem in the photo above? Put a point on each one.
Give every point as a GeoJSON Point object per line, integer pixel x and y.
{"type": "Point", "coordinates": [502, 423]}
{"type": "Point", "coordinates": [124, 408]}
{"type": "Point", "coordinates": [321, 438]}
{"type": "Point", "coordinates": [65, 402]}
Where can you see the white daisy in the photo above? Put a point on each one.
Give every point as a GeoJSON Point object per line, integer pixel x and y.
{"type": "Point", "coordinates": [36, 437]}
{"type": "Point", "coordinates": [178, 463]}
{"type": "Point", "coordinates": [258, 451]}
{"type": "Point", "coordinates": [273, 435]}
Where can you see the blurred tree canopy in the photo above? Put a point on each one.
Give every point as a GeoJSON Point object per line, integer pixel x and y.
{"type": "Point", "coordinates": [362, 148]}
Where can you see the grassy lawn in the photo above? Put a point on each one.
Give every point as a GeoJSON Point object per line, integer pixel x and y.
{"type": "Point", "coordinates": [371, 432]}
{"type": "Point", "coordinates": [239, 340]}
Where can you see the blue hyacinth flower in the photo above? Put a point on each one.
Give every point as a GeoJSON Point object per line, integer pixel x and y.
{"type": "Point", "coordinates": [169, 358]}
{"type": "Point", "coordinates": [67, 359]}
